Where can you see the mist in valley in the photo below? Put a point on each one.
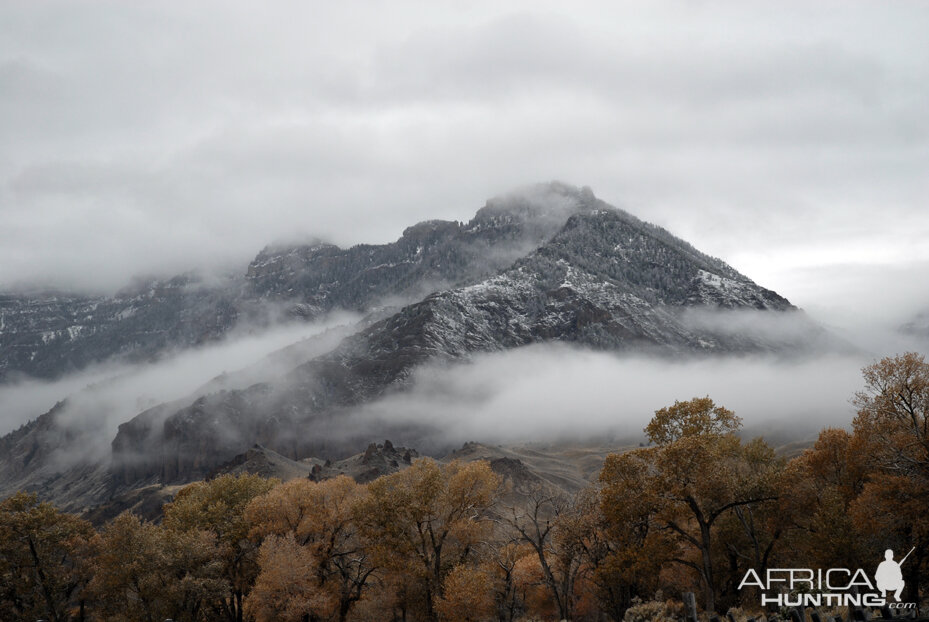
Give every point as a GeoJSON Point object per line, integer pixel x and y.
{"type": "Point", "coordinates": [98, 399]}
{"type": "Point", "coordinates": [547, 393]}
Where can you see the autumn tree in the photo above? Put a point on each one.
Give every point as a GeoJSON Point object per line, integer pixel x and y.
{"type": "Point", "coordinates": [697, 417]}
{"type": "Point", "coordinates": [640, 545]}
{"type": "Point", "coordinates": [583, 532]}
{"type": "Point", "coordinates": [218, 507]}
{"type": "Point", "coordinates": [468, 595]}
{"type": "Point", "coordinates": [427, 519]}
{"type": "Point", "coordinates": [893, 414]}
{"type": "Point", "coordinates": [824, 481]}
{"type": "Point", "coordinates": [532, 590]}
{"type": "Point", "coordinates": [43, 554]}
{"type": "Point", "coordinates": [753, 535]}
{"type": "Point", "coordinates": [145, 572]}
{"type": "Point", "coordinates": [892, 430]}
{"type": "Point", "coordinates": [541, 523]}
{"type": "Point", "coordinates": [501, 557]}
{"type": "Point", "coordinates": [287, 588]}
{"type": "Point", "coordinates": [319, 519]}
{"type": "Point", "coordinates": [697, 473]}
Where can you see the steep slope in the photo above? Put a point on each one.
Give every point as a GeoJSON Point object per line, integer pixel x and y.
{"type": "Point", "coordinates": [428, 257]}
{"type": "Point", "coordinates": [606, 280]}
{"type": "Point", "coordinates": [47, 335]}
{"type": "Point", "coordinates": [74, 436]}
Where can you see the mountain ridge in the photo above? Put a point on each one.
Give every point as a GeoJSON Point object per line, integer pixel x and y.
{"type": "Point", "coordinates": [550, 263]}
{"type": "Point", "coordinates": [566, 290]}
{"type": "Point", "coordinates": [51, 334]}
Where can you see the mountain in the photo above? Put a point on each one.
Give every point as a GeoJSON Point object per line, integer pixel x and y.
{"type": "Point", "coordinates": [49, 334]}
{"type": "Point", "coordinates": [605, 280]}
{"type": "Point", "coordinates": [549, 264]}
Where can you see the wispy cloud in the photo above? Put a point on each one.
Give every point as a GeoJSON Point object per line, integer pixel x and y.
{"type": "Point", "coordinates": [100, 398]}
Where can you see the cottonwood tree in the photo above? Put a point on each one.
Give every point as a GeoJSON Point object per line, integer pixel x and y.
{"type": "Point", "coordinates": [751, 534]}
{"type": "Point", "coordinates": [427, 519]}
{"type": "Point", "coordinates": [603, 577]}
{"type": "Point", "coordinates": [641, 545]}
{"type": "Point", "coordinates": [697, 417]}
{"type": "Point", "coordinates": [145, 572]}
{"type": "Point", "coordinates": [287, 588]}
{"type": "Point", "coordinates": [823, 482]}
{"type": "Point", "coordinates": [43, 555]}
{"type": "Point", "coordinates": [501, 557]}
{"type": "Point", "coordinates": [218, 507]}
{"type": "Point", "coordinates": [697, 473]}
{"type": "Point", "coordinates": [556, 530]}
{"type": "Point", "coordinates": [893, 414]}
{"type": "Point", "coordinates": [892, 430]}
{"type": "Point", "coordinates": [319, 519]}
{"type": "Point", "coordinates": [468, 595]}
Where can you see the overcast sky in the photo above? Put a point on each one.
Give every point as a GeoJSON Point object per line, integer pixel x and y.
{"type": "Point", "coordinates": [790, 139]}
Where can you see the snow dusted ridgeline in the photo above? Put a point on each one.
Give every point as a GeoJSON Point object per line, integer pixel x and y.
{"type": "Point", "coordinates": [601, 279]}
{"type": "Point", "coordinates": [49, 334]}
{"type": "Point", "coordinates": [549, 264]}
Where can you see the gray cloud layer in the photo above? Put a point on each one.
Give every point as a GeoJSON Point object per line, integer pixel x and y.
{"type": "Point", "coordinates": [103, 396]}
{"type": "Point", "coordinates": [788, 138]}
{"type": "Point", "coordinates": [552, 393]}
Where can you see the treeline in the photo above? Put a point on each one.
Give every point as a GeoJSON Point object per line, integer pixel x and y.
{"type": "Point", "coordinates": [693, 511]}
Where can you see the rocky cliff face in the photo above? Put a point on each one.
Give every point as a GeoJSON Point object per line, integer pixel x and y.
{"type": "Point", "coordinates": [430, 256]}
{"type": "Point", "coordinates": [602, 280]}
{"type": "Point", "coordinates": [47, 335]}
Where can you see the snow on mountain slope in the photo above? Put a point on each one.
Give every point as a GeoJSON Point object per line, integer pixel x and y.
{"type": "Point", "coordinates": [605, 280]}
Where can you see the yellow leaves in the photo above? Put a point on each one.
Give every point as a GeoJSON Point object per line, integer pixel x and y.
{"type": "Point", "coordinates": [313, 561]}
{"type": "Point", "coordinates": [304, 508]}
{"type": "Point", "coordinates": [428, 499]}
{"type": "Point", "coordinates": [424, 520]}
{"type": "Point", "coordinates": [144, 569]}
{"type": "Point", "coordinates": [471, 485]}
{"type": "Point", "coordinates": [696, 417]}
{"type": "Point", "coordinates": [468, 596]}
{"type": "Point", "coordinates": [216, 505]}
{"type": "Point", "coordinates": [41, 558]}
{"type": "Point", "coordinates": [893, 413]}
{"type": "Point", "coordinates": [288, 588]}
{"type": "Point", "coordinates": [893, 503]}
{"type": "Point", "coordinates": [666, 500]}
{"type": "Point", "coordinates": [628, 497]}
{"type": "Point", "coordinates": [529, 582]}
{"type": "Point", "coordinates": [837, 461]}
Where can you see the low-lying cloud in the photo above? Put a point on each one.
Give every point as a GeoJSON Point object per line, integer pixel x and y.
{"type": "Point", "coordinates": [101, 398]}
{"type": "Point", "coordinates": [541, 393]}
{"type": "Point", "coordinates": [557, 393]}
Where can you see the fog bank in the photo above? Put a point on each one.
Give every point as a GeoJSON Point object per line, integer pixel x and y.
{"type": "Point", "coordinates": [558, 393]}
{"type": "Point", "coordinates": [102, 397]}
